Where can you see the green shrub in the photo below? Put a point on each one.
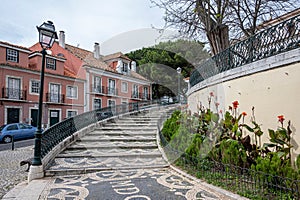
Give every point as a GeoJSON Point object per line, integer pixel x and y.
{"type": "Point", "coordinates": [171, 125]}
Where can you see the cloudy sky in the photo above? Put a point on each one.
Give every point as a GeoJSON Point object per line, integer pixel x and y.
{"type": "Point", "coordinates": [118, 25]}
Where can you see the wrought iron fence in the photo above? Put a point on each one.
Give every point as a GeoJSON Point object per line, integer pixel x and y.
{"type": "Point", "coordinates": [279, 38]}
{"type": "Point", "coordinates": [12, 93]}
{"type": "Point", "coordinates": [57, 133]}
{"type": "Point", "coordinates": [246, 182]}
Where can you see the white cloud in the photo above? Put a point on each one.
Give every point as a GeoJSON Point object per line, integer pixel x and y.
{"type": "Point", "coordinates": [84, 22]}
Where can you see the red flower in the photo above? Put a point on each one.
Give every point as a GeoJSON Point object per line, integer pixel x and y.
{"type": "Point", "coordinates": [217, 104]}
{"type": "Point", "coordinates": [244, 114]}
{"type": "Point", "coordinates": [221, 111]}
{"type": "Point", "coordinates": [280, 118]}
{"type": "Point", "coordinates": [230, 108]}
{"type": "Point", "coordinates": [211, 94]}
{"type": "Point", "coordinates": [235, 104]}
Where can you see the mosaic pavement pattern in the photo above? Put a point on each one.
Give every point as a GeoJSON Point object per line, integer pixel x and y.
{"type": "Point", "coordinates": [128, 184]}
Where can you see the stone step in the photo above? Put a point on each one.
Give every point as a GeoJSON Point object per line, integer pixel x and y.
{"type": "Point", "coordinates": [80, 155]}
{"type": "Point", "coordinates": [66, 166]}
{"type": "Point", "coordinates": [124, 136]}
{"type": "Point", "coordinates": [116, 139]}
{"type": "Point", "coordinates": [122, 133]}
{"type": "Point", "coordinates": [139, 128]}
{"type": "Point", "coordinates": [121, 125]}
{"type": "Point", "coordinates": [113, 146]}
{"type": "Point", "coordinates": [108, 152]}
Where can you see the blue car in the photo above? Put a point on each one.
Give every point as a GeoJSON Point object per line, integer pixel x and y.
{"type": "Point", "coordinates": [16, 130]}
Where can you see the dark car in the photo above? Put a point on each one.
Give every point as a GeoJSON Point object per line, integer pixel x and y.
{"type": "Point", "coordinates": [16, 130]}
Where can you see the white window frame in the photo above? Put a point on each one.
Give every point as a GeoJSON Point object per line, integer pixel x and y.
{"type": "Point", "coordinates": [12, 55]}
{"type": "Point", "coordinates": [49, 64]}
{"type": "Point", "coordinates": [100, 84]}
{"type": "Point", "coordinates": [71, 110]}
{"type": "Point", "coordinates": [111, 90]}
{"type": "Point", "coordinates": [20, 86]}
{"type": "Point", "coordinates": [125, 67]}
{"type": "Point", "coordinates": [52, 95]}
{"type": "Point", "coordinates": [38, 88]}
{"type": "Point", "coordinates": [122, 89]}
{"type": "Point", "coordinates": [94, 103]}
{"type": "Point", "coordinates": [74, 88]}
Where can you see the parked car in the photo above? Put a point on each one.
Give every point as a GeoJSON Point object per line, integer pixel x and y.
{"type": "Point", "coordinates": [16, 130]}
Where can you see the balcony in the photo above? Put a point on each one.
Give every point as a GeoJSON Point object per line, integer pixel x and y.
{"type": "Point", "coordinates": [111, 91]}
{"type": "Point", "coordinates": [55, 98]}
{"type": "Point", "coordinates": [145, 96]}
{"type": "Point", "coordinates": [15, 94]}
{"type": "Point", "coordinates": [97, 89]}
{"type": "Point", "coordinates": [135, 95]}
{"type": "Point", "coordinates": [104, 90]}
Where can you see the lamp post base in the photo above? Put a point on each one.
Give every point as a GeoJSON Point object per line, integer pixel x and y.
{"type": "Point", "coordinates": [35, 172]}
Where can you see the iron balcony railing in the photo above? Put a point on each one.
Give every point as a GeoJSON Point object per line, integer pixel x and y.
{"type": "Point", "coordinates": [279, 38]}
{"type": "Point", "coordinates": [58, 132]}
{"type": "Point", "coordinates": [15, 94]}
{"type": "Point", "coordinates": [55, 98]}
{"type": "Point", "coordinates": [104, 90]}
{"type": "Point", "coordinates": [97, 89]}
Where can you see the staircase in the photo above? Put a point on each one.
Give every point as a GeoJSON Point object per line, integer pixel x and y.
{"type": "Point", "coordinates": [125, 143]}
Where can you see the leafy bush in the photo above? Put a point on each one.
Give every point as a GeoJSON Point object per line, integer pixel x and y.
{"type": "Point", "coordinates": [171, 125]}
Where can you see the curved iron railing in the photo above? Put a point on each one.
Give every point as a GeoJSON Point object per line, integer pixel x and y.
{"type": "Point", "coordinates": [244, 181]}
{"type": "Point", "coordinates": [57, 133]}
{"type": "Point", "coordinates": [279, 38]}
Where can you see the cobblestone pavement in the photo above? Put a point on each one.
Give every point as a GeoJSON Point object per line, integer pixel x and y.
{"type": "Point", "coordinates": [11, 173]}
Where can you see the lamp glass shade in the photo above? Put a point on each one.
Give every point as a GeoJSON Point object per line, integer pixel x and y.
{"type": "Point", "coordinates": [47, 34]}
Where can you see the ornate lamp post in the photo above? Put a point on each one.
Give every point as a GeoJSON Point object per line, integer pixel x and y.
{"type": "Point", "coordinates": [178, 72]}
{"type": "Point", "coordinates": [47, 35]}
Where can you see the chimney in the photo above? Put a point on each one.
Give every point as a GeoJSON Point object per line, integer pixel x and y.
{"type": "Point", "coordinates": [62, 39]}
{"type": "Point", "coordinates": [96, 50]}
{"type": "Point", "coordinates": [133, 66]}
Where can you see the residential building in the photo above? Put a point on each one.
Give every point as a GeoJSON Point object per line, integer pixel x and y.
{"type": "Point", "coordinates": [76, 81]}
{"type": "Point", "coordinates": [20, 80]}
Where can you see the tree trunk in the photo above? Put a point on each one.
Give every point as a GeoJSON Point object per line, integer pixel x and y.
{"type": "Point", "coordinates": [218, 39]}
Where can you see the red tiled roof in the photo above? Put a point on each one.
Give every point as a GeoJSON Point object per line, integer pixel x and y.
{"type": "Point", "coordinates": [16, 46]}
{"type": "Point", "coordinates": [88, 58]}
{"type": "Point", "coordinates": [115, 55]}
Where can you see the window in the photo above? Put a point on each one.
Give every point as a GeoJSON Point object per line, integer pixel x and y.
{"type": "Point", "coordinates": [97, 84]}
{"type": "Point", "coordinates": [12, 127]}
{"type": "Point", "coordinates": [12, 55]}
{"type": "Point", "coordinates": [111, 87]}
{"type": "Point", "coordinates": [34, 86]}
{"type": "Point", "coordinates": [50, 63]}
{"type": "Point", "coordinates": [125, 67]}
{"type": "Point", "coordinates": [14, 88]}
{"type": "Point", "coordinates": [146, 95]}
{"type": "Point", "coordinates": [124, 87]}
{"type": "Point", "coordinates": [54, 95]}
{"type": "Point", "coordinates": [97, 103]}
{"type": "Point", "coordinates": [135, 93]}
{"type": "Point", "coordinates": [71, 113]}
{"type": "Point", "coordinates": [72, 92]}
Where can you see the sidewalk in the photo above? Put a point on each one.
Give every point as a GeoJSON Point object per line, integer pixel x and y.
{"type": "Point", "coordinates": [11, 173]}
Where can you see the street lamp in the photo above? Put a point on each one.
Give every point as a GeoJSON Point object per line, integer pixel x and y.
{"type": "Point", "coordinates": [47, 36]}
{"type": "Point", "coordinates": [178, 72]}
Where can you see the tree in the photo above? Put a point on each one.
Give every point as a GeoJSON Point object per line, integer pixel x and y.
{"type": "Point", "coordinates": [159, 64]}
{"type": "Point", "coordinates": [221, 20]}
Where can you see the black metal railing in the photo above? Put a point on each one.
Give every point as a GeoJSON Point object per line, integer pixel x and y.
{"type": "Point", "coordinates": [279, 38]}
{"type": "Point", "coordinates": [97, 89]}
{"type": "Point", "coordinates": [135, 95]}
{"type": "Point", "coordinates": [244, 181]}
{"type": "Point", "coordinates": [57, 133]}
{"type": "Point", "coordinates": [15, 94]}
{"type": "Point", "coordinates": [104, 90]}
{"type": "Point", "coordinates": [55, 98]}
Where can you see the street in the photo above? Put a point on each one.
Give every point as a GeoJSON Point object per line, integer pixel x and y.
{"type": "Point", "coordinates": [17, 144]}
